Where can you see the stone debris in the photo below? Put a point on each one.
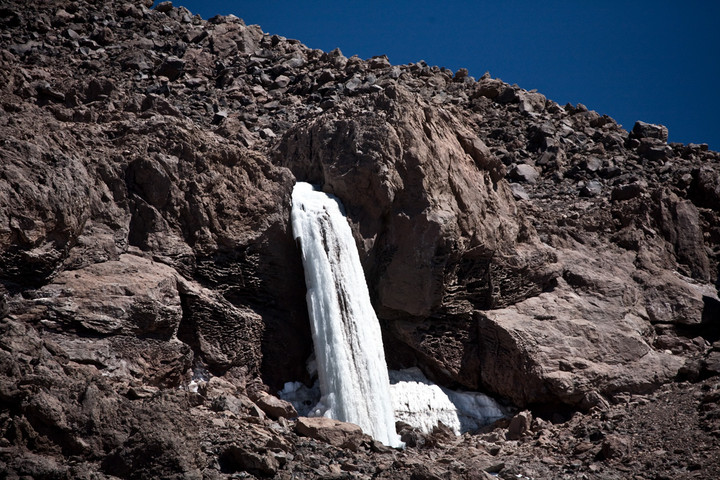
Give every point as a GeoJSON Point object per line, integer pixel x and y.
{"type": "Point", "coordinates": [333, 432]}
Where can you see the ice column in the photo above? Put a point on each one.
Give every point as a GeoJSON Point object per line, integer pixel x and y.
{"type": "Point", "coordinates": [350, 359]}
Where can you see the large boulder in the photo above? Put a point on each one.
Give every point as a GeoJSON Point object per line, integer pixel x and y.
{"type": "Point", "coordinates": [679, 221]}
{"type": "Point", "coordinates": [224, 335]}
{"type": "Point", "coordinates": [44, 204]}
{"type": "Point", "coordinates": [436, 225]}
{"type": "Point", "coordinates": [588, 337]}
{"type": "Point", "coordinates": [648, 130]}
{"type": "Point", "coordinates": [128, 296]}
{"type": "Point", "coordinates": [334, 432]}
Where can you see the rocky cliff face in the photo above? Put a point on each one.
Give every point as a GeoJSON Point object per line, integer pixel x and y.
{"type": "Point", "coordinates": [536, 251]}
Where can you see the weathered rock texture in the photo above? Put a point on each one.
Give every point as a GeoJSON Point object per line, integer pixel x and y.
{"type": "Point", "coordinates": [438, 227]}
{"type": "Point", "coordinates": [150, 286]}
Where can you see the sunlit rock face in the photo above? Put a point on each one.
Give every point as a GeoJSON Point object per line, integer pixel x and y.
{"type": "Point", "coordinates": [436, 223]}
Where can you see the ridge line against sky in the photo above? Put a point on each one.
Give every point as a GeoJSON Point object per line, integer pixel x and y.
{"type": "Point", "coordinates": [658, 62]}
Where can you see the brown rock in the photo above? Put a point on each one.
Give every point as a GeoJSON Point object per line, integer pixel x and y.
{"type": "Point", "coordinates": [615, 446]}
{"type": "Point", "coordinates": [273, 406]}
{"type": "Point", "coordinates": [154, 362]}
{"type": "Point", "coordinates": [706, 187]}
{"type": "Point", "coordinates": [484, 159]}
{"type": "Point", "coordinates": [132, 295]}
{"type": "Point", "coordinates": [626, 192]}
{"type": "Point", "coordinates": [490, 87]}
{"type": "Point", "coordinates": [229, 38]}
{"type": "Point", "coordinates": [334, 432]}
{"type": "Point", "coordinates": [532, 102]}
{"type": "Point", "coordinates": [281, 81]}
{"type": "Point", "coordinates": [379, 62]}
{"type": "Point", "coordinates": [524, 173]}
{"type": "Point", "coordinates": [236, 458]}
{"type": "Point", "coordinates": [565, 344]}
{"type": "Point", "coordinates": [225, 335]}
{"type": "Point", "coordinates": [670, 298]}
{"type": "Point", "coordinates": [41, 219]}
{"type": "Point", "coordinates": [418, 238]}
{"type": "Point", "coordinates": [4, 308]}
{"type": "Point", "coordinates": [679, 221]}
{"type": "Point", "coordinates": [648, 130]}
{"type": "Point", "coordinates": [172, 67]}
{"type": "Point", "coordinates": [711, 364]}
{"type": "Point", "coordinates": [654, 150]}
{"type": "Point", "coordinates": [519, 425]}
{"type": "Point", "coordinates": [164, 7]}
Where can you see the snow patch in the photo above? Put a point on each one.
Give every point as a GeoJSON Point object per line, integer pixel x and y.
{"type": "Point", "coordinates": [422, 404]}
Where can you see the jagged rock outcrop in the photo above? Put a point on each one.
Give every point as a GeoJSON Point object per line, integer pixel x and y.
{"type": "Point", "coordinates": [438, 227]}
{"type": "Point", "coordinates": [150, 287]}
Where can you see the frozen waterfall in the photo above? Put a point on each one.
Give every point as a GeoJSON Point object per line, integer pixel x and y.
{"type": "Point", "coordinates": [353, 375]}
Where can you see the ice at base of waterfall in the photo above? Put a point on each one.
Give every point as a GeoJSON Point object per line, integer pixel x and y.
{"type": "Point", "coordinates": [422, 404]}
{"type": "Point", "coordinates": [303, 398]}
{"type": "Point", "coordinates": [416, 401]}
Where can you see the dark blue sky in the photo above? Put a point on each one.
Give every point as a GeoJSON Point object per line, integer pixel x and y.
{"type": "Point", "coordinates": [654, 61]}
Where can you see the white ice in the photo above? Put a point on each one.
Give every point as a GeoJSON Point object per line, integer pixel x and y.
{"type": "Point", "coordinates": [422, 404]}
{"type": "Point", "coordinates": [353, 375]}
{"type": "Point", "coordinates": [302, 398]}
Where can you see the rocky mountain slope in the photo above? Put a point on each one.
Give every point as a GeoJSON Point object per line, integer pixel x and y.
{"type": "Point", "coordinates": [152, 292]}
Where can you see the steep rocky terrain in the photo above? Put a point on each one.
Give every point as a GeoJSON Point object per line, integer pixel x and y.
{"type": "Point", "coordinates": [152, 292]}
